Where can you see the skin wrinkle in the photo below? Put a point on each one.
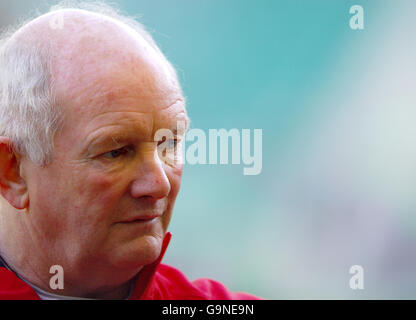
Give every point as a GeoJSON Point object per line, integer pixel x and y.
{"type": "Point", "coordinates": [102, 71]}
{"type": "Point", "coordinates": [102, 133]}
{"type": "Point", "coordinates": [173, 129]}
{"type": "Point", "coordinates": [162, 109]}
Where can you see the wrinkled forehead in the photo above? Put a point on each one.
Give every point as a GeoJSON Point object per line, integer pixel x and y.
{"type": "Point", "coordinates": [128, 87]}
{"type": "Point", "coordinates": [126, 93]}
{"type": "Point", "coordinates": [105, 82]}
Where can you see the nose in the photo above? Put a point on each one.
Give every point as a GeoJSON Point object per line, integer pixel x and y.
{"type": "Point", "coordinates": [151, 179]}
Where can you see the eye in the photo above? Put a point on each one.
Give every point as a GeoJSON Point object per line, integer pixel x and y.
{"type": "Point", "coordinates": [113, 154]}
{"type": "Point", "coordinates": [168, 144]}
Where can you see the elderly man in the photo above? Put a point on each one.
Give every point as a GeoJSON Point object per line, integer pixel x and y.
{"type": "Point", "coordinates": [86, 191]}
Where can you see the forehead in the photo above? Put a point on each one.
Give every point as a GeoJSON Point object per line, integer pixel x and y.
{"type": "Point", "coordinates": [104, 73]}
{"type": "Point", "coordinates": [115, 81]}
{"type": "Point", "coordinates": [125, 105]}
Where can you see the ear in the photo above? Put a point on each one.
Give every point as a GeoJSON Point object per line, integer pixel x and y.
{"type": "Point", "coordinates": [12, 186]}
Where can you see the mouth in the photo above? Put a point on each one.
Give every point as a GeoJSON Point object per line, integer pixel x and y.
{"type": "Point", "coordinates": [141, 218]}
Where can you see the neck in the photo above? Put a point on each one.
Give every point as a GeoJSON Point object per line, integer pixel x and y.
{"type": "Point", "coordinates": [116, 293]}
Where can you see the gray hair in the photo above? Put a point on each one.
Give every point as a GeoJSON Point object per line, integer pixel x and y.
{"type": "Point", "coordinates": [28, 112]}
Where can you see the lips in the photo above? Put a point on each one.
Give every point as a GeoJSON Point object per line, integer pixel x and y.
{"type": "Point", "coordinates": [141, 218]}
{"type": "Point", "coordinates": [147, 211]}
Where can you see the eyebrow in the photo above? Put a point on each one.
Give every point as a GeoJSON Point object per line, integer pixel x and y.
{"type": "Point", "coordinates": [108, 139]}
{"type": "Point", "coordinates": [128, 133]}
{"type": "Point", "coordinates": [115, 137]}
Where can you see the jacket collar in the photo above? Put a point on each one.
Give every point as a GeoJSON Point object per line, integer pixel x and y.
{"type": "Point", "coordinates": [3, 264]}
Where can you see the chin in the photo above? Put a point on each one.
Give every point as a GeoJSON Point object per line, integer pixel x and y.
{"type": "Point", "coordinates": [137, 253]}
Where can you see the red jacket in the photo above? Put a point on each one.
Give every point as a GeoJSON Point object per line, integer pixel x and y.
{"type": "Point", "coordinates": [155, 282]}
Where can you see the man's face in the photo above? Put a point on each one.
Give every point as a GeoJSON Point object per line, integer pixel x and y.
{"type": "Point", "coordinates": [102, 207]}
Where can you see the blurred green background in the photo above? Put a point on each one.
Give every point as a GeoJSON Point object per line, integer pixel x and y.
{"type": "Point", "coordinates": [337, 108]}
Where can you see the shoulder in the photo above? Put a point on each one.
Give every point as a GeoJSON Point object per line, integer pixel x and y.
{"type": "Point", "coordinates": [171, 284]}
{"type": "Point", "coordinates": [12, 288]}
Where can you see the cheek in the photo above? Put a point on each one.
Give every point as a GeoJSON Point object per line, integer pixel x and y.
{"type": "Point", "coordinates": [79, 199]}
{"type": "Point", "coordinates": [92, 207]}
{"type": "Point", "coordinates": [174, 175]}
{"type": "Point", "coordinates": [100, 190]}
